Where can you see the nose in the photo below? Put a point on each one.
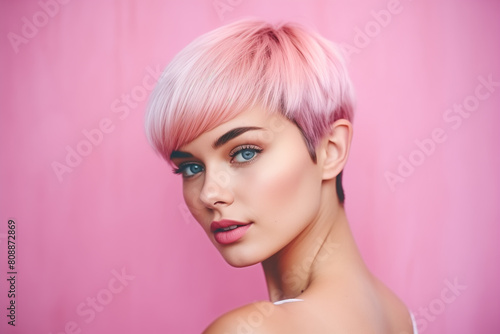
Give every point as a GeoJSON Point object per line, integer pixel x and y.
{"type": "Point", "coordinates": [216, 191]}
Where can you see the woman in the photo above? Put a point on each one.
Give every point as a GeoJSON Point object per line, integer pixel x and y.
{"type": "Point", "coordinates": [257, 120]}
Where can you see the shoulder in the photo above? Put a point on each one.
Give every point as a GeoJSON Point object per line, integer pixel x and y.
{"type": "Point", "coordinates": [259, 317]}
{"type": "Point", "coordinates": [366, 305]}
{"type": "Point", "coordinates": [360, 310]}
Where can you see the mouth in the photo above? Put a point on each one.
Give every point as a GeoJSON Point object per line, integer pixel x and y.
{"type": "Point", "coordinates": [225, 229]}
{"type": "Point", "coordinates": [228, 231]}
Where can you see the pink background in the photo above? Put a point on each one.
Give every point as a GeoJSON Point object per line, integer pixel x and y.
{"type": "Point", "coordinates": [89, 65]}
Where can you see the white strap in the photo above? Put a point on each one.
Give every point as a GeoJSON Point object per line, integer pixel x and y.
{"type": "Point", "coordinates": [279, 302]}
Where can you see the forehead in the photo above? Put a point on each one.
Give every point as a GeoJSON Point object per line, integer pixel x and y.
{"type": "Point", "coordinates": [254, 117]}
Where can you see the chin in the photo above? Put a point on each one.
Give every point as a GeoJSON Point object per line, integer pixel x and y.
{"type": "Point", "coordinates": [239, 258]}
{"type": "Point", "coordinates": [241, 264]}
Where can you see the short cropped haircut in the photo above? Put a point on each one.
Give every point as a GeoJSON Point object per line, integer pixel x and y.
{"type": "Point", "coordinates": [283, 68]}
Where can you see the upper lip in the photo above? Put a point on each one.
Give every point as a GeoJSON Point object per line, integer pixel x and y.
{"type": "Point", "coordinates": [215, 225]}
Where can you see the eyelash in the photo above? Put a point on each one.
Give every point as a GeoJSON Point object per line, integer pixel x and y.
{"type": "Point", "coordinates": [242, 148]}
{"type": "Point", "coordinates": [183, 166]}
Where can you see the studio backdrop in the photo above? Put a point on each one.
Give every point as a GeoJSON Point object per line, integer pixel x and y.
{"type": "Point", "coordinates": [94, 234]}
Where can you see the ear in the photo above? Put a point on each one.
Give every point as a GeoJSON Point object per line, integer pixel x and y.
{"type": "Point", "coordinates": [335, 148]}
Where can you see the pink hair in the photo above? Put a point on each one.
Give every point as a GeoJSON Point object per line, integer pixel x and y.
{"type": "Point", "coordinates": [284, 68]}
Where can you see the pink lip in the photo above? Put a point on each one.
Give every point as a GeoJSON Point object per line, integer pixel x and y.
{"type": "Point", "coordinates": [228, 237]}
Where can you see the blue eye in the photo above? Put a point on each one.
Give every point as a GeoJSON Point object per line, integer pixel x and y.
{"type": "Point", "coordinates": [245, 154]}
{"type": "Point", "coordinates": [188, 170]}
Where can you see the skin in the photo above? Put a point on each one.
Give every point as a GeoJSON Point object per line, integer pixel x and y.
{"type": "Point", "coordinates": [299, 231]}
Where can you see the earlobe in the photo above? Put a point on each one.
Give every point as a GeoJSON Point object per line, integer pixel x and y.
{"type": "Point", "coordinates": [335, 148]}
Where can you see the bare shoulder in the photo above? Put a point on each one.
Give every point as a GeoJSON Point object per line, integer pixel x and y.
{"type": "Point", "coordinates": [357, 305]}
{"type": "Point", "coordinates": [368, 306]}
{"type": "Point", "coordinates": [357, 308]}
{"type": "Point", "coordinates": [257, 318]}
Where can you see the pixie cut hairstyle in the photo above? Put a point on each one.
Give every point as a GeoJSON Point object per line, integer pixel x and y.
{"type": "Point", "coordinates": [283, 68]}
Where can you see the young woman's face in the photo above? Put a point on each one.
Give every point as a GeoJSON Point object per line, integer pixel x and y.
{"type": "Point", "coordinates": [251, 184]}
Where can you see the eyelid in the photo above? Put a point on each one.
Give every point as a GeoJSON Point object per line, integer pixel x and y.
{"type": "Point", "coordinates": [240, 148]}
{"type": "Point", "coordinates": [237, 150]}
{"type": "Point", "coordinates": [182, 167]}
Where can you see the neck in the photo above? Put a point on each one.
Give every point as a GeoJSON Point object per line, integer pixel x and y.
{"type": "Point", "coordinates": [324, 249]}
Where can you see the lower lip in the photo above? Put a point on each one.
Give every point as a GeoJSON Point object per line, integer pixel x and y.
{"type": "Point", "coordinates": [228, 237]}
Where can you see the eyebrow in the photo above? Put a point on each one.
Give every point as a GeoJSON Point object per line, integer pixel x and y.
{"type": "Point", "coordinates": [231, 134]}
{"type": "Point", "coordinates": [180, 154]}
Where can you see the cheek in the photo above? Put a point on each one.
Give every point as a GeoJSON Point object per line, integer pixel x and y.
{"type": "Point", "coordinates": [284, 190]}
{"type": "Point", "coordinates": [191, 195]}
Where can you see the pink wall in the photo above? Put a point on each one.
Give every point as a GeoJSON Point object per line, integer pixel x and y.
{"type": "Point", "coordinates": [430, 229]}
